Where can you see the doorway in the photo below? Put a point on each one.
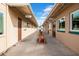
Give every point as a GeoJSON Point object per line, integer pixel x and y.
{"type": "Point", "coordinates": [19, 29]}
{"type": "Point", "coordinates": [53, 30]}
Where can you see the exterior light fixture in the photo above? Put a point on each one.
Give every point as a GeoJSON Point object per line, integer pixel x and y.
{"type": "Point", "coordinates": [28, 16]}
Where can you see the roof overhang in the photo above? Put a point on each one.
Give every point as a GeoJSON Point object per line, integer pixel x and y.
{"type": "Point", "coordinates": [58, 8]}
{"type": "Point", "coordinates": [25, 9]}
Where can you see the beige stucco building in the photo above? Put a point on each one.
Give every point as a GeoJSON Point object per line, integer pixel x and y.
{"type": "Point", "coordinates": [64, 19]}
{"type": "Point", "coordinates": [16, 23]}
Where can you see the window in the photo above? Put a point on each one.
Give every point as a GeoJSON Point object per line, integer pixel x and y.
{"type": "Point", "coordinates": [75, 20]}
{"type": "Point", "coordinates": [62, 24]}
{"type": "Point", "coordinates": [28, 24]}
{"type": "Point", "coordinates": [1, 23]}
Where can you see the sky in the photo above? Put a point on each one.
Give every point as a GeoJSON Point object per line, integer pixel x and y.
{"type": "Point", "coordinates": [41, 11]}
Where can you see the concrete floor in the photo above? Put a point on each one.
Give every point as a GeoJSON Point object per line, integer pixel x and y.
{"type": "Point", "coordinates": [31, 48]}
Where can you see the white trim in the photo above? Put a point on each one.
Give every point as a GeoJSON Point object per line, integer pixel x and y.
{"type": "Point", "coordinates": [62, 29]}
{"type": "Point", "coordinates": [71, 21]}
{"type": "Point", "coordinates": [74, 30]}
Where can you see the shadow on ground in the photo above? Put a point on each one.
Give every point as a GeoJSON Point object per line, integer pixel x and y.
{"type": "Point", "coordinates": [29, 47]}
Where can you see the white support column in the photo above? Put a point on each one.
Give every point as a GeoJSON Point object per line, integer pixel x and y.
{"type": "Point", "coordinates": [50, 26]}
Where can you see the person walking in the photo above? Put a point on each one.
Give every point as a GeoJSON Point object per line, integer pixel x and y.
{"type": "Point", "coordinates": [41, 38]}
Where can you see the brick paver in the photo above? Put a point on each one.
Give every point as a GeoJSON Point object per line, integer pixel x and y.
{"type": "Point", "coordinates": [31, 48]}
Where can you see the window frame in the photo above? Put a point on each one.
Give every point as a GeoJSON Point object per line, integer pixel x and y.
{"type": "Point", "coordinates": [1, 35]}
{"type": "Point", "coordinates": [59, 29]}
{"type": "Point", "coordinates": [71, 30]}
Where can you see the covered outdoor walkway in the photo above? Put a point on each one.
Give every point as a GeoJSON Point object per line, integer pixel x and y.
{"type": "Point", "coordinates": [31, 48]}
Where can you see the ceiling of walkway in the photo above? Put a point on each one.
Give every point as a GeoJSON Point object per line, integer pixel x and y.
{"type": "Point", "coordinates": [41, 11]}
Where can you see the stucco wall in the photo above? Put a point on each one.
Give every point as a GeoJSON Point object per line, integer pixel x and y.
{"type": "Point", "coordinates": [26, 31]}
{"type": "Point", "coordinates": [70, 40]}
{"type": "Point", "coordinates": [3, 36]}
{"type": "Point", "coordinates": [10, 35]}
{"type": "Point", "coordinates": [12, 27]}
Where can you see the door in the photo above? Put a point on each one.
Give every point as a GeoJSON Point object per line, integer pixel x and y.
{"type": "Point", "coordinates": [19, 29]}
{"type": "Point", "coordinates": [53, 30]}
